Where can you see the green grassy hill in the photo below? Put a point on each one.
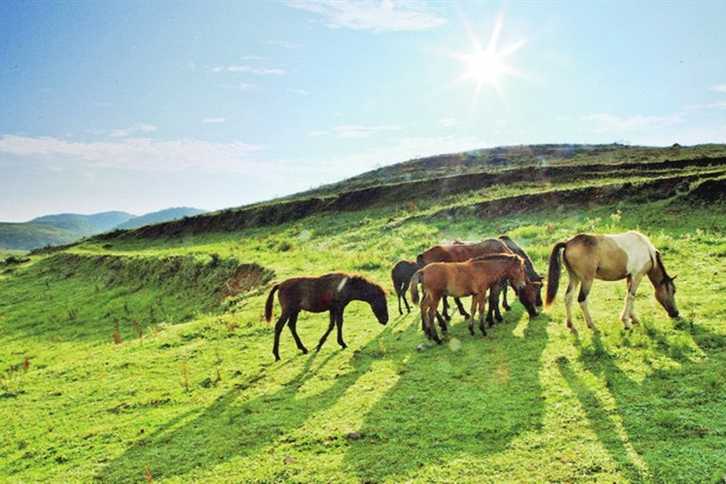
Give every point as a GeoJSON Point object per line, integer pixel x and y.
{"type": "Point", "coordinates": [143, 355]}
{"type": "Point", "coordinates": [64, 229]}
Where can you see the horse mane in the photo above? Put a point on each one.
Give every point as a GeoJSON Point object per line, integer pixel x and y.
{"type": "Point", "coordinates": [359, 280]}
{"type": "Point", "coordinates": [661, 267]}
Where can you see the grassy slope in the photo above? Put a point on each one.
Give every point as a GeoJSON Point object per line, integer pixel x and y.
{"type": "Point", "coordinates": [191, 391]}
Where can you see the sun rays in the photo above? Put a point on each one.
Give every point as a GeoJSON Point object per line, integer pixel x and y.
{"type": "Point", "coordinates": [488, 66]}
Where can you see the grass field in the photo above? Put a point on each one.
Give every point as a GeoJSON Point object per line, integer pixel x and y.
{"type": "Point", "coordinates": [136, 359]}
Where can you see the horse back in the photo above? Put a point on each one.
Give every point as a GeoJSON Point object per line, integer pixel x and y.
{"type": "Point", "coordinates": [313, 294]}
{"type": "Point", "coordinates": [595, 256]}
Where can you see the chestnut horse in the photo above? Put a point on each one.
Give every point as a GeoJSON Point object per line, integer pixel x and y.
{"type": "Point", "coordinates": [471, 278]}
{"type": "Point", "coordinates": [330, 292]}
{"type": "Point", "coordinates": [627, 256]}
{"type": "Point", "coordinates": [401, 276]}
{"type": "Point", "coordinates": [463, 251]}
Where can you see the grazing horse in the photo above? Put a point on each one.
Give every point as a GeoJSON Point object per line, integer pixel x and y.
{"type": "Point", "coordinates": [330, 292]}
{"type": "Point", "coordinates": [463, 251]}
{"type": "Point", "coordinates": [532, 274]}
{"type": "Point", "coordinates": [401, 276]}
{"type": "Point", "coordinates": [471, 278]}
{"type": "Point", "coordinates": [627, 256]}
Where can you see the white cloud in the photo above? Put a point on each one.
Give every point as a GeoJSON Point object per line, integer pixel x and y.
{"type": "Point", "coordinates": [608, 122]}
{"type": "Point", "coordinates": [358, 131]}
{"type": "Point", "coordinates": [134, 154]}
{"type": "Point", "coordinates": [214, 120]}
{"type": "Point", "coordinates": [385, 16]}
{"type": "Point", "coordinates": [448, 122]}
{"type": "Point", "coordinates": [242, 86]}
{"type": "Point", "coordinates": [260, 71]}
{"type": "Point", "coordinates": [284, 44]}
{"type": "Point", "coordinates": [719, 87]}
{"type": "Point", "coordinates": [137, 128]}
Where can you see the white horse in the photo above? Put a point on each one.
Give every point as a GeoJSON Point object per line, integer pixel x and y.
{"type": "Point", "coordinates": [610, 258]}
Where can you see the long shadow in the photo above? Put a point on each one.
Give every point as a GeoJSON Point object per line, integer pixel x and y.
{"type": "Point", "coordinates": [654, 425]}
{"type": "Point", "coordinates": [240, 426]}
{"type": "Point", "coordinates": [450, 403]}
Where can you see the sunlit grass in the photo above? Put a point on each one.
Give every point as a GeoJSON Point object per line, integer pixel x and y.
{"type": "Point", "coordinates": [190, 392]}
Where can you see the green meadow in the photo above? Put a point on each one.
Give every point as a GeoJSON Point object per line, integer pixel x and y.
{"type": "Point", "coordinates": [144, 356]}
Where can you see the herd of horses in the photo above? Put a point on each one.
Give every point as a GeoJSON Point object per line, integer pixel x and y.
{"type": "Point", "coordinates": [483, 270]}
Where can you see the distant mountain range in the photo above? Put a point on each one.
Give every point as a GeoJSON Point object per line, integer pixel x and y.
{"type": "Point", "coordinates": [68, 227]}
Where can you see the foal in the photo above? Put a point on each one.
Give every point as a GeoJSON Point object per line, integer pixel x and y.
{"type": "Point", "coordinates": [330, 292]}
{"type": "Point", "coordinates": [627, 256]}
{"type": "Point", "coordinates": [471, 278]}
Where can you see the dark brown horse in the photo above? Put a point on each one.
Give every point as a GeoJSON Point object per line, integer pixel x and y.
{"type": "Point", "coordinates": [463, 251]}
{"type": "Point", "coordinates": [330, 292]}
{"type": "Point", "coordinates": [532, 274]}
{"type": "Point", "coordinates": [401, 276]}
{"type": "Point", "coordinates": [627, 256]}
{"type": "Point", "coordinates": [471, 278]}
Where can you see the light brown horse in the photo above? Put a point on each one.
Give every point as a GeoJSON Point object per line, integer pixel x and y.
{"type": "Point", "coordinates": [330, 292]}
{"type": "Point", "coordinates": [463, 251]}
{"type": "Point", "coordinates": [627, 256]}
{"type": "Point", "coordinates": [471, 278]}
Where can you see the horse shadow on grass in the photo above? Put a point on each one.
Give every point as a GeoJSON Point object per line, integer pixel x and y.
{"type": "Point", "coordinates": [466, 399]}
{"type": "Point", "coordinates": [240, 424]}
{"type": "Point", "coordinates": [651, 427]}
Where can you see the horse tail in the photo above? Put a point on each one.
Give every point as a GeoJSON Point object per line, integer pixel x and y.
{"type": "Point", "coordinates": [270, 302]}
{"type": "Point", "coordinates": [415, 279]}
{"type": "Point", "coordinates": [553, 273]}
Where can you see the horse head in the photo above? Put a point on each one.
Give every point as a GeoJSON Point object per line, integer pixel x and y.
{"type": "Point", "coordinates": [665, 289]}
{"type": "Point", "coordinates": [665, 294]}
{"type": "Point", "coordinates": [376, 298]}
{"type": "Point", "coordinates": [529, 295]}
{"type": "Point", "coordinates": [527, 291]}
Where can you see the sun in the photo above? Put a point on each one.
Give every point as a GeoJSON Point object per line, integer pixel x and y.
{"type": "Point", "coordinates": [488, 66]}
{"type": "Point", "coordinates": [485, 66]}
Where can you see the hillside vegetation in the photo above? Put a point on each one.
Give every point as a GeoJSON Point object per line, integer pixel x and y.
{"type": "Point", "coordinates": [143, 355]}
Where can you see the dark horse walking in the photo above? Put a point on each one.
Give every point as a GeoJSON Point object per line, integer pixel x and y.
{"type": "Point", "coordinates": [330, 292]}
{"type": "Point", "coordinates": [401, 277]}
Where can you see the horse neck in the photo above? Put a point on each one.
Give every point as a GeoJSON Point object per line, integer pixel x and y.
{"type": "Point", "coordinates": [360, 290]}
{"type": "Point", "coordinates": [657, 273]}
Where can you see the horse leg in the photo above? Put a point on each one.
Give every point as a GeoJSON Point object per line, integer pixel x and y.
{"type": "Point", "coordinates": [482, 326]}
{"type": "Point", "coordinates": [278, 329]}
{"type": "Point", "coordinates": [569, 295]}
{"type": "Point", "coordinates": [460, 306]}
{"type": "Point", "coordinates": [431, 313]}
{"type": "Point", "coordinates": [493, 311]}
{"type": "Point", "coordinates": [582, 299]}
{"type": "Point", "coordinates": [628, 313]}
{"type": "Point", "coordinates": [474, 301]}
{"type": "Point", "coordinates": [504, 287]}
{"type": "Point", "coordinates": [446, 309]}
{"type": "Point", "coordinates": [292, 324]}
{"type": "Point", "coordinates": [408, 308]}
{"type": "Point", "coordinates": [339, 324]}
{"type": "Point", "coordinates": [442, 323]}
{"type": "Point", "coordinates": [330, 328]}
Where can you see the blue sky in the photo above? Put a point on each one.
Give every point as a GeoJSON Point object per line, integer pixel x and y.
{"type": "Point", "coordinates": [144, 105]}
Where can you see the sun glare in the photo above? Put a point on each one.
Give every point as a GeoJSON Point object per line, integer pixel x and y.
{"type": "Point", "coordinates": [487, 65]}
